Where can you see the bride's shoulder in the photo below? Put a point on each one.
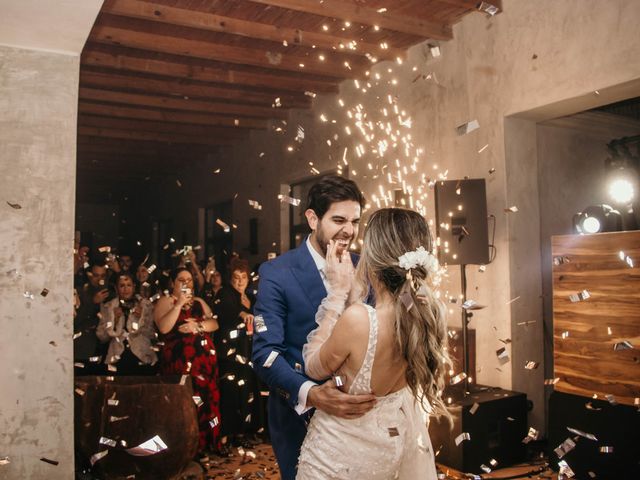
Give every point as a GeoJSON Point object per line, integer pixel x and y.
{"type": "Point", "coordinates": [356, 317]}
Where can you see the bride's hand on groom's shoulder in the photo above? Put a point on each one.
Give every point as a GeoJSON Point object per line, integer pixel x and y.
{"type": "Point", "coordinates": [339, 269]}
{"type": "Point", "coordinates": [328, 398]}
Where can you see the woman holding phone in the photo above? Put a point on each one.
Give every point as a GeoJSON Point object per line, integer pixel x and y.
{"type": "Point", "coordinates": [185, 323]}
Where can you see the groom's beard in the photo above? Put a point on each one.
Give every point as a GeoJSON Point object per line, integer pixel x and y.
{"type": "Point", "coordinates": [343, 241]}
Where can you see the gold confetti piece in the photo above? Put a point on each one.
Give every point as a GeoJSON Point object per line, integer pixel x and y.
{"type": "Point", "coordinates": [79, 391]}
{"type": "Point", "coordinates": [589, 406]}
{"type": "Point", "coordinates": [223, 225]}
{"type": "Point", "coordinates": [560, 260]}
{"type": "Point", "coordinates": [606, 449]}
{"type": "Point", "coordinates": [551, 381]}
{"type": "Point", "coordinates": [580, 296]}
{"type": "Point", "coordinates": [5, 461]}
{"type": "Point", "coordinates": [15, 206]}
{"type": "Point", "coordinates": [310, 94]}
{"type": "Point", "coordinates": [512, 209]}
{"type": "Point", "coordinates": [216, 171]}
{"type": "Point", "coordinates": [483, 148]}
{"type": "Point", "coordinates": [255, 204]}
{"type": "Point", "coordinates": [531, 365]}
{"type": "Point", "coordinates": [462, 437]}
{"type": "Point", "coordinates": [458, 378]}
{"type": "Point", "coordinates": [97, 456]}
{"type": "Point", "coordinates": [270, 359]}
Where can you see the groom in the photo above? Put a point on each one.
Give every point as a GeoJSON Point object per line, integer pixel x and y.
{"type": "Point", "coordinates": [291, 289]}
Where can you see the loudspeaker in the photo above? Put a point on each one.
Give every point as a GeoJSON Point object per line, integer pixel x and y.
{"type": "Point", "coordinates": [496, 421]}
{"type": "Point", "coordinates": [614, 426]}
{"type": "Point", "coordinates": [461, 222]}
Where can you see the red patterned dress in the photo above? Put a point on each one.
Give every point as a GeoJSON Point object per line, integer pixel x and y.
{"type": "Point", "coordinates": [195, 355]}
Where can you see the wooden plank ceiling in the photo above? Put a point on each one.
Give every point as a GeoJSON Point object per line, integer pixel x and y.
{"type": "Point", "coordinates": [198, 74]}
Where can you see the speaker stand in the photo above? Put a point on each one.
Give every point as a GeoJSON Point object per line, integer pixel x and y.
{"type": "Point", "coordinates": [468, 388]}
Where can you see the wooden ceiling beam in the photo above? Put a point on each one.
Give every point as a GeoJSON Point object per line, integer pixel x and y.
{"type": "Point", "coordinates": [151, 136]}
{"type": "Point", "coordinates": [148, 147]}
{"type": "Point", "coordinates": [231, 109]}
{"type": "Point", "coordinates": [277, 59]}
{"type": "Point", "coordinates": [137, 125]}
{"type": "Point", "coordinates": [112, 110]}
{"type": "Point", "coordinates": [130, 62]}
{"type": "Point", "coordinates": [156, 12]}
{"type": "Point", "coordinates": [352, 12]}
{"type": "Point", "coordinates": [472, 4]}
{"type": "Point", "coordinates": [182, 88]}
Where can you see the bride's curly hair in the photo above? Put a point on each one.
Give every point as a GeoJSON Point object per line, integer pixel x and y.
{"type": "Point", "coordinates": [421, 330]}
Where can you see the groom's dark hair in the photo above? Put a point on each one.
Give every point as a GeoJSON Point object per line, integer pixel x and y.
{"type": "Point", "coordinates": [332, 189]}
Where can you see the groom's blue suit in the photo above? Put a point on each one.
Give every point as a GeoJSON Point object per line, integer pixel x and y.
{"type": "Point", "coordinates": [289, 294]}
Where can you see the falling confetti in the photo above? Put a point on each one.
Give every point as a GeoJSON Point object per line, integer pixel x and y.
{"type": "Point", "coordinates": [150, 447]}
{"type": "Point", "coordinates": [468, 127]}
{"type": "Point", "coordinates": [15, 206]}
{"type": "Point", "coordinates": [462, 437]}
{"type": "Point", "coordinates": [223, 225]}
{"type": "Point", "coordinates": [580, 296]}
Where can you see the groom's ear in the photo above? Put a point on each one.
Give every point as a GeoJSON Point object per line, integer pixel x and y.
{"type": "Point", "coordinates": [312, 219]}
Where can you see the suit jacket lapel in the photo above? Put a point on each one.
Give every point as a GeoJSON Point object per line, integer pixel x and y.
{"type": "Point", "coordinates": [308, 276]}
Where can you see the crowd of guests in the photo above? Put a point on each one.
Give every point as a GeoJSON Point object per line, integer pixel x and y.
{"type": "Point", "coordinates": [137, 320]}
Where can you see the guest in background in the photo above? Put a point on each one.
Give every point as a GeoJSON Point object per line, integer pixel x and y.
{"type": "Point", "coordinates": [213, 284]}
{"type": "Point", "coordinates": [125, 261]}
{"type": "Point", "coordinates": [87, 353]}
{"type": "Point", "coordinates": [189, 262]}
{"type": "Point", "coordinates": [126, 323]}
{"type": "Point", "coordinates": [185, 323]}
{"type": "Point", "coordinates": [146, 285]}
{"type": "Point", "coordinates": [241, 405]}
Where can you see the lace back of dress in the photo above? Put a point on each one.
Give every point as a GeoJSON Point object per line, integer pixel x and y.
{"type": "Point", "coordinates": [362, 381]}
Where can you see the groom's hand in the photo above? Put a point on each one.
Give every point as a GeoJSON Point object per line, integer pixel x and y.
{"type": "Point", "coordinates": [329, 399]}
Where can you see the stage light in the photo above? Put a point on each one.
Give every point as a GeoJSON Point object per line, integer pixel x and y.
{"type": "Point", "coordinates": [596, 219]}
{"type": "Point", "coordinates": [621, 191]}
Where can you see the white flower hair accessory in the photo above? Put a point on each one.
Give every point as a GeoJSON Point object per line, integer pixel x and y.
{"type": "Point", "coordinates": [419, 257]}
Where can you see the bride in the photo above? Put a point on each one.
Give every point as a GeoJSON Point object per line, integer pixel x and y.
{"type": "Point", "coordinates": [397, 351]}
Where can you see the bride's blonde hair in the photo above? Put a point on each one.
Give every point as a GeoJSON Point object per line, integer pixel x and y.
{"type": "Point", "coordinates": [420, 330]}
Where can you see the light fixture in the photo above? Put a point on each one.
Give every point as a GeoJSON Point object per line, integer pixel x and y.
{"type": "Point", "coordinates": [621, 191]}
{"type": "Point", "coordinates": [597, 219]}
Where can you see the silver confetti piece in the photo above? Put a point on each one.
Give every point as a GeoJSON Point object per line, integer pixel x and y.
{"type": "Point", "coordinates": [77, 335]}
{"type": "Point", "coordinates": [338, 380]}
{"type": "Point", "coordinates": [297, 367]}
{"type": "Point", "coordinates": [611, 399]}
{"type": "Point", "coordinates": [624, 345]}
{"type": "Point", "coordinates": [531, 436]}
{"type": "Point", "coordinates": [225, 227]}
{"type": "Point", "coordinates": [259, 324]}
{"type": "Point", "coordinates": [112, 402]}
{"type": "Point", "coordinates": [270, 359]}
{"type": "Point", "coordinates": [214, 422]}
{"type": "Point", "coordinates": [183, 379]}
{"type": "Point", "coordinates": [233, 334]}
{"type": "Point", "coordinates": [551, 381]}
{"type": "Point", "coordinates": [97, 456]}
{"type": "Point", "coordinates": [565, 469]}
{"type": "Point", "coordinates": [474, 408]}
{"type": "Point", "coordinates": [512, 209]}
{"type": "Point", "coordinates": [113, 418]}
{"type": "Point", "coordinates": [485, 468]}
{"type": "Point", "coordinates": [107, 441]}
{"type": "Point", "coordinates": [488, 8]}
{"type": "Point", "coordinates": [197, 400]}
{"type": "Point", "coordinates": [287, 199]}
{"type": "Point", "coordinates": [472, 305]}
{"type": "Point", "coordinates": [255, 204]}
{"type": "Point", "coordinates": [150, 447]}
{"type": "Point", "coordinates": [565, 447]}
{"type": "Point", "coordinates": [531, 365]}
{"type": "Point", "coordinates": [560, 260]}
{"type": "Point", "coordinates": [462, 437]}
{"type": "Point", "coordinates": [590, 436]}
{"type": "Point", "coordinates": [467, 127]}
{"type": "Point", "coordinates": [580, 296]}
{"type": "Point", "coordinates": [606, 449]}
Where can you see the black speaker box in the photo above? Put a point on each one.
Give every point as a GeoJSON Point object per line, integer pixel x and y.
{"type": "Point", "coordinates": [461, 222]}
{"type": "Point", "coordinates": [496, 429]}
{"type": "Point", "coordinates": [614, 426]}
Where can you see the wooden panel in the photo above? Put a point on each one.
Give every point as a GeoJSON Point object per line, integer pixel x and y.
{"type": "Point", "coordinates": [348, 11]}
{"type": "Point", "coordinates": [130, 60]}
{"type": "Point", "coordinates": [585, 359]}
{"type": "Point", "coordinates": [151, 136]}
{"type": "Point", "coordinates": [218, 23]}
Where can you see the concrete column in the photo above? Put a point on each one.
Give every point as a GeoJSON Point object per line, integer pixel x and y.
{"type": "Point", "coordinates": [38, 104]}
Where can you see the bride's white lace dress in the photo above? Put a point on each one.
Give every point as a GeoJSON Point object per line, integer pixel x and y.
{"type": "Point", "coordinates": [389, 442]}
